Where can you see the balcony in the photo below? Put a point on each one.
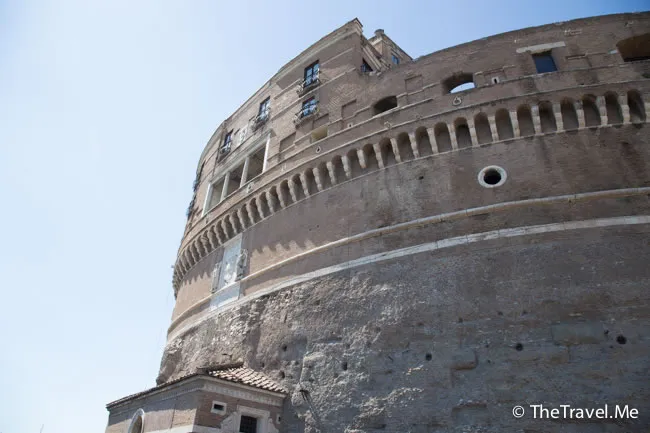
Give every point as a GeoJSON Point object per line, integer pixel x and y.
{"type": "Point", "coordinates": [308, 84]}
{"type": "Point", "coordinates": [261, 119]}
{"type": "Point", "coordinates": [308, 110]}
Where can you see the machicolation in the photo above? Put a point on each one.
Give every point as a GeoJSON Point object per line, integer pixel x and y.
{"type": "Point", "coordinates": [377, 243]}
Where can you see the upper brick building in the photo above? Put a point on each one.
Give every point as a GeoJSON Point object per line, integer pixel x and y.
{"type": "Point", "coordinates": [382, 243]}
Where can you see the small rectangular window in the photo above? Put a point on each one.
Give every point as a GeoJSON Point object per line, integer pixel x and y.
{"type": "Point", "coordinates": [311, 74]}
{"type": "Point", "coordinates": [309, 107]}
{"type": "Point", "coordinates": [395, 59]}
{"type": "Point", "coordinates": [544, 62]}
{"type": "Point", "coordinates": [218, 407]}
{"type": "Point", "coordinates": [365, 67]}
{"type": "Point", "coordinates": [248, 424]}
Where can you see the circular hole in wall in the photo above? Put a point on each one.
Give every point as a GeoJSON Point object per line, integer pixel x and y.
{"type": "Point", "coordinates": [318, 149]}
{"type": "Point", "coordinates": [284, 347]}
{"type": "Point", "coordinates": [492, 176]}
{"type": "Point", "coordinates": [281, 374]}
{"type": "Point", "coordinates": [344, 365]}
{"type": "Point", "coordinates": [519, 347]}
{"type": "Point", "coordinates": [428, 357]}
{"type": "Point", "coordinates": [621, 339]}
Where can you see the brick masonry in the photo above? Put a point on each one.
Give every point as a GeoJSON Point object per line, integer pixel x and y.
{"type": "Point", "coordinates": [389, 291]}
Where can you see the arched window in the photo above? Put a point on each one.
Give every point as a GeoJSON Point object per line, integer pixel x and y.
{"type": "Point", "coordinates": [404, 147]}
{"type": "Point", "coordinates": [525, 120]}
{"type": "Point", "coordinates": [371, 157]}
{"type": "Point", "coordinates": [504, 124]}
{"type": "Point", "coordinates": [423, 141]}
{"type": "Point", "coordinates": [592, 115]}
{"type": "Point", "coordinates": [298, 189]}
{"type": "Point", "coordinates": [137, 422]}
{"type": "Point", "coordinates": [614, 113]}
{"type": "Point", "coordinates": [385, 104]}
{"type": "Point", "coordinates": [637, 109]}
{"type": "Point", "coordinates": [443, 140]}
{"type": "Point", "coordinates": [482, 125]}
{"type": "Point", "coordinates": [458, 83]}
{"type": "Point", "coordinates": [387, 154]}
{"type": "Point", "coordinates": [463, 136]}
{"type": "Point", "coordinates": [355, 165]}
{"type": "Point", "coordinates": [546, 117]}
{"type": "Point", "coordinates": [569, 115]}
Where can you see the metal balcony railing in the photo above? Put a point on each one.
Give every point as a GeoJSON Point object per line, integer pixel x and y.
{"type": "Point", "coordinates": [306, 112]}
{"type": "Point", "coordinates": [261, 118]}
{"type": "Point", "coordinates": [308, 84]}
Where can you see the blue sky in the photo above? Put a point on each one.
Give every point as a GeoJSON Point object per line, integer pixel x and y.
{"type": "Point", "coordinates": [105, 107]}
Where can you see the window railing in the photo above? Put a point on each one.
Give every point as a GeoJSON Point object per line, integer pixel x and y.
{"type": "Point", "coordinates": [261, 118]}
{"type": "Point", "coordinates": [225, 148]}
{"type": "Point", "coordinates": [308, 83]}
{"type": "Point", "coordinates": [306, 111]}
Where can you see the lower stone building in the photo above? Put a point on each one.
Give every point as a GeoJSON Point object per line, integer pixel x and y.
{"type": "Point", "coordinates": [225, 400]}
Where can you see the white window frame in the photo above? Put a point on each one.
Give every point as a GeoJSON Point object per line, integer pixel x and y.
{"type": "Point", "coordinates": [218, 412]}
{"type": "Point", "coordinates": [263, 417]}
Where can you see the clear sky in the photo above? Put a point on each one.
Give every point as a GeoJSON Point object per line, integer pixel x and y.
{"type": "Point", "coordinates": [105, 107]}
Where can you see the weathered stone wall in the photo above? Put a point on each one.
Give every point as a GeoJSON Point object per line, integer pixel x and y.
{"type": "Point", "coordinates": [387, 289]}
{"type": "Point", "coordinates": [451, 340]}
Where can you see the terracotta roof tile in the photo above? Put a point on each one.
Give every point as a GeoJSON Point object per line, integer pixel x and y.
{"type": "Point", "coordinates": [246, 376]}
{"type": "Point", "coordinates": [239, 374]}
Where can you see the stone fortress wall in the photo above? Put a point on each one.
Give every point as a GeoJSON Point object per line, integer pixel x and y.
{"type": "Point", "coordinates": [404, 258]}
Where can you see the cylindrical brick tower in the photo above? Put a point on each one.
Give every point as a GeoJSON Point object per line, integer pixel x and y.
{"type": "Point", "coordinates": [419, 245]}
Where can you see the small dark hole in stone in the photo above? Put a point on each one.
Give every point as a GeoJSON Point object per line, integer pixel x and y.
{"type": "Point", "coordinates": [489, 362]}
{"type": "Point", "coordinates": [491, 177]}
{"type": "Point", "coordinates": [487, 345]}
{"type": "Point", "coordinates": [281, 374]}
{"type": "Point", "coordinates": [460, 320]}
{"type": "Point", "coordinates": [621, 339]}
{"type": "Point", "coordinates": [606, 331]}
{"type": "Point", "coordinates": [284, 348]}
{"type": "Point", "coordinates": [421, 177]}
{"type": "Point", "coordinates": [317, 302]}
{"type": "Point", "coordinates": [523, 313]}
{"type": "Point", "coordinates": [420, 324]}
{"type": "Point", "coordinates": [428, 357]}
{"type": "Point", "coordinates": [263, 365]}
{"type": "Point", "coordinates": [344, 366]}
{"type": "Point", "coordinates": [611, 347]}
{"type": "Point", "coordinates": [500, 313]}
{"type": "Point", "coordinates": [519, 347]}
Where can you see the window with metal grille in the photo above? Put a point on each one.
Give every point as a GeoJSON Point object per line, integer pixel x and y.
{"type": "Point", "coordinates": [311, 74]}
{"type": "Point", "coordinates": [248, 424]}
{"type": "Point", "coordinates": [227, 140]}
{"type": "Point", "coordinates": [264, 109]}
{"type": "Point", "coordinates": [544, 62]}
{"type": "Point", "coordinates": [308, 107]}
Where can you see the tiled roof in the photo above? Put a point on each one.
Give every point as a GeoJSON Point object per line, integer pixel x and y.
{"type": "Point", "coordinates": [235, 374]}
{"type": "Point", "coordinates": [246, 376]}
